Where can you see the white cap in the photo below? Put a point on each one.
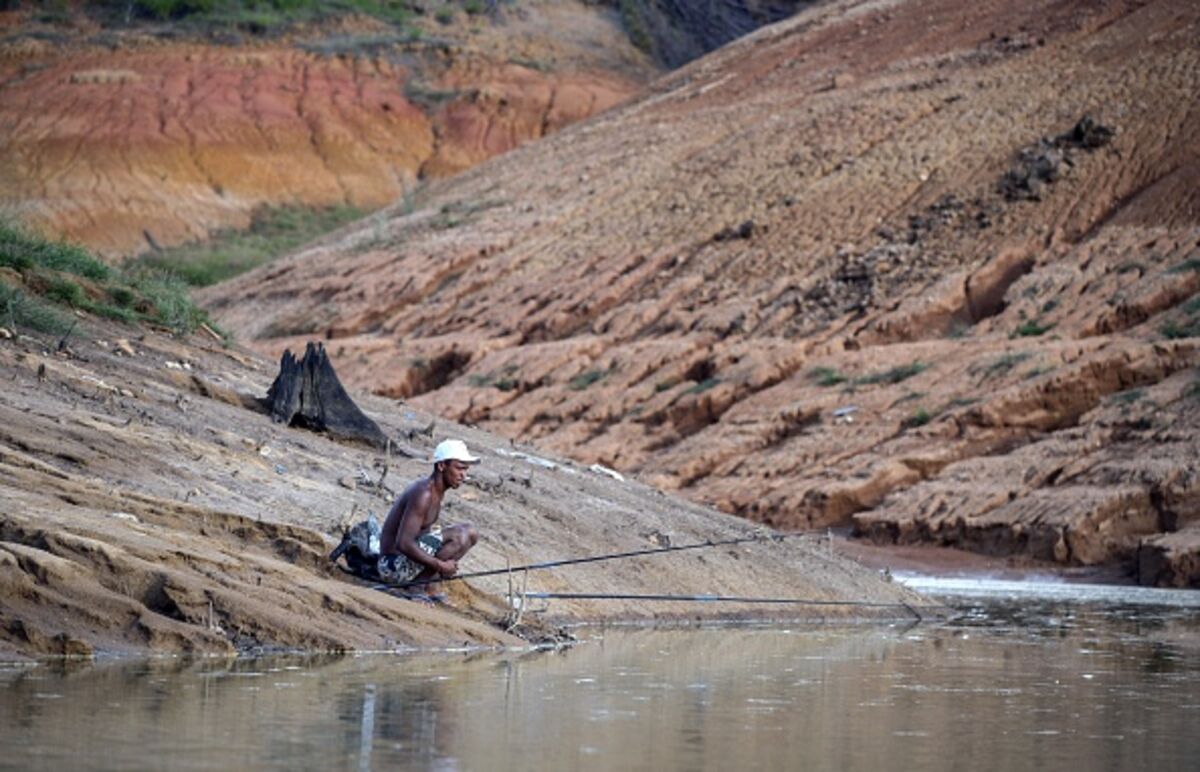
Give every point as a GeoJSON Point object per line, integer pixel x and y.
{"type": "Point", "coordinates": [453, 450]}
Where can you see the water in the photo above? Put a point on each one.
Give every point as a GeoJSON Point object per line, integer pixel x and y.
{"type": "Point", "coordinates": [1021, 680]}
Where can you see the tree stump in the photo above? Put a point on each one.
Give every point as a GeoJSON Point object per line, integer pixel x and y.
{"type": "Point", "coordinates": [308, 394]}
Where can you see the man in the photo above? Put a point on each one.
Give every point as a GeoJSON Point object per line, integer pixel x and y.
{"type": "Point", "coordinates": [413, 546]}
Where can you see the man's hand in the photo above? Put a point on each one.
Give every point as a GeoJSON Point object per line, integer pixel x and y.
{"type": "Point", "coordinates": [448, 567]}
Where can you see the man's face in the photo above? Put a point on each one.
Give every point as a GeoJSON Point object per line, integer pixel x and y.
{"type": "Point", "coordinates": [456, 473]}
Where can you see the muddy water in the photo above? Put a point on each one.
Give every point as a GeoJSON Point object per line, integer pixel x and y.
{"type": "Point", "coordinates": [1016, 682]}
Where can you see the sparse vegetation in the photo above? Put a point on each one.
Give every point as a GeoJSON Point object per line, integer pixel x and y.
{"type": "Point", "coordinates": [894, 375]}
{"type": "Point", "coordinates": [1175, 330]}
{"type": "Point", "coordinates": [258, 17]}
{"type": "Point", "coordinates": [55, 273]}
{"type": "Point", "coordinates": [702, 386]}
{"type": "Point", "coordinates": [502, 378]}
{"type": "Point", "coordinates": [1031, 328]}
{"type": "Point", "coordinates": [826, 376]}
{"type": "Point", "coordinates": [273, 231]}
{"type": "Point", "coordinates": [1191, 264]}
{"type": "Point", "coordinates": [584, 380]}
{"type": "Point", "coordinates": [1127, 397]}
{"type": "Point", "coordinates": [918, 418]}
{"type": "Point", "coordinates": [1004, 364]}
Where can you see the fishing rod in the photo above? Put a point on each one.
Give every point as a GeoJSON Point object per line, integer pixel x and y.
{"type": "Point", "coordinates": [713, 599]}
{"type": "Point", "coordinates": [599, 558]}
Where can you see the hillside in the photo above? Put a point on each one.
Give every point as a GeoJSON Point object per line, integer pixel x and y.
{"type": "Point", "coordinates": [923, 269]}
{"type": "Point", "coordinates": [131, 138]}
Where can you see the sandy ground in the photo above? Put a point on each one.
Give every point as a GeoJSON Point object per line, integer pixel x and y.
{"type": "Point", "coordinates": [145, 507]}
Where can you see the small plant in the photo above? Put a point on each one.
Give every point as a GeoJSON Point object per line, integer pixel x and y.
{"type": "Point", "coordinates": [894, 375]}
{"type": "Point", "coordinates": [702, 386]}
{"type": "Point", "coordinates": [1031, 328]}
{"type": "Point", "coordinates": [666, 385]}
{"type": "Point", "coordinates": [584, 380]}
{"type": "Point", "coordinates": [826, 376]}
{"type": "Point", "coordinates": [22, 311]}
{"type": "Point", "coordinates": [919, 418]}
{"type": "Point", "coordinates": [1004, 364]}
{"type": "Point", "coordinates": [444, 15]}
{"type": "Point", "coordinates": [909, 397]}
{"type": "Point", "coordinates": [1191, 264]}
{"type": "Point", "coordinates": [1049, 305]}
{"type": "Point", "coordinates": [1127, 397]}
{"type": "Point", "coordinates": [1175, 331]}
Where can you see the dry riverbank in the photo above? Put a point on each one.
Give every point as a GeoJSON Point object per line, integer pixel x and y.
{"type": "Point", "coordinates": [143, 508]}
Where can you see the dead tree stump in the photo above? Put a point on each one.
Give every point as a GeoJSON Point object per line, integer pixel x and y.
{"type": "Point", "coordinates": [308, 394]}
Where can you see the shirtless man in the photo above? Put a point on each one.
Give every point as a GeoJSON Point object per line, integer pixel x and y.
{"type": "Point", "coordinates": [413, 546]}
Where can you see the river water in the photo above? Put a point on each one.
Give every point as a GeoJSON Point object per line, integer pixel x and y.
{"type": "Point", "coordinates": [1065, 677]}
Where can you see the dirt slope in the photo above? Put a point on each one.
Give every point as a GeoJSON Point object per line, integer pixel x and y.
{"type": "Point", "coordinates": [130, 141]}
{"type": "Point", "coordinates": [143, 507]}
{"type": "Point", "coordinates": [924, 268]}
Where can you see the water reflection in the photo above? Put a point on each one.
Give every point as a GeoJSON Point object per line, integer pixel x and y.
{"type": "Point", "coordinates": [1010, 685]}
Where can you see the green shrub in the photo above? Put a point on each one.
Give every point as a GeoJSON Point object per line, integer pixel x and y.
{"type": "Point", "coordinates": [1127, 397]}
{"type": "Point", "coordinates": [22, 249]}
{"type": "Point", "coordinates": [1191, 264]}
{"type": "Point", "coordinates": [21, 311]}
{"type": "Point", "coordinates": [1175, 330]}
{"type": "Point", "coordinates": [584, 380]}
{"type": "Point", "coordinates": [134, 296]}
{"type": "Point", "coordinates": [1005, 363]}
{"type": "Point", "coordinates": [1031, 328]}
{"type": "Point", "coordinates": [894, 375]}
{"type": "Point", "coordinates": [919, 418]}
{"type": "Point", "coordinates": [826, 376]}
{"type": "Point", "coordinates": [702, 386]}
{"type": "Point", "coordinates": [66, 292]}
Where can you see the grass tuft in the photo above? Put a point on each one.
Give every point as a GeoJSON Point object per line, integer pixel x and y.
{"type": "Point", "coordinates": [826, 376]}
{"type": "Point", "coordinates": [894, 375]}
{"type": "Point", "coordinates": [67, 275]}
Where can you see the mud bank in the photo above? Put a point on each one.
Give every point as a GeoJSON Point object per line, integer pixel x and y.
{"type": "Point", "coordinates": [145, 508]}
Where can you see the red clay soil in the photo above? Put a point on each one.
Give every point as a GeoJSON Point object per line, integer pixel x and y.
{"type": "Point", "coordinates": [923, 269]}
{"type": "Point", "coordinates": [127, 142]}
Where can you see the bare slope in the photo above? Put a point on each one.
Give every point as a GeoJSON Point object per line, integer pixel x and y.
{"type": "Point", "coordinates": [144, 508]}
{"type": "Point", "coordinates": [130, 141]}
{"type": "Point", "coordinates": [974, 226]}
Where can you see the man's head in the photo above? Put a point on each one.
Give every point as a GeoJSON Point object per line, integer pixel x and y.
{"type": "Point", "coordinates": [452, 459]}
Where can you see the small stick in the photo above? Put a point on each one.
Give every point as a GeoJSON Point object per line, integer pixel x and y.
{"type": "Point", "coordinates": [211, 332]}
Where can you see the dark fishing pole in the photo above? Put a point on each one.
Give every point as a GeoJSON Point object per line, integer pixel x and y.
{"type": "Point", "coordinates": [713, 599]}
{"type": "Point", "coordinates": [598, 558]}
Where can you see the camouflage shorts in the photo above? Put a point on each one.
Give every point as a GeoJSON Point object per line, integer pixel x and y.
{"type": "Point", "coordinates": [401, 568]}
